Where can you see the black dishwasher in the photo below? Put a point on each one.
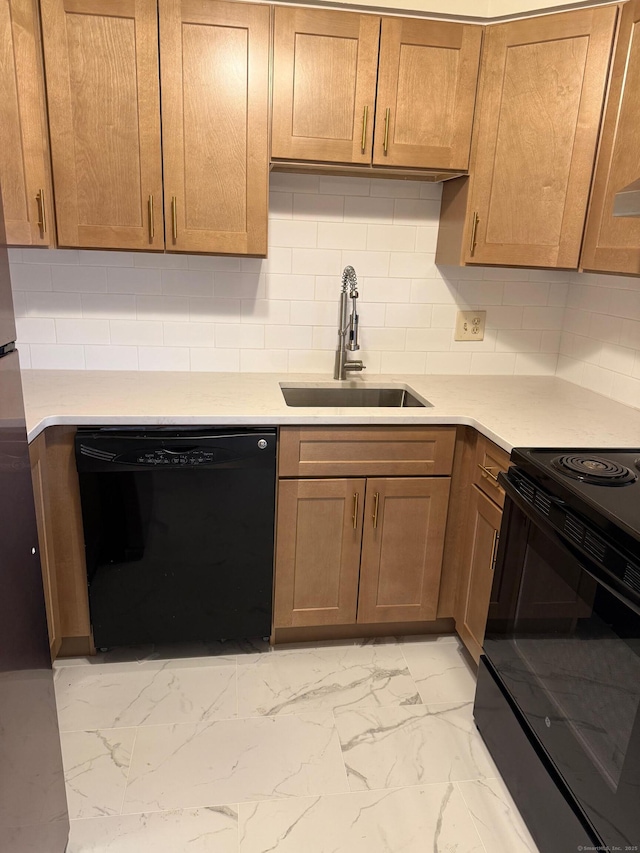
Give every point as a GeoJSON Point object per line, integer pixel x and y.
{"type": "Point", "coordinates": [179, 531]}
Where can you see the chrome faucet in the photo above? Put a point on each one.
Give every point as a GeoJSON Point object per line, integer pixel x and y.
{"type": "Point", "coordinates": [347, 327]}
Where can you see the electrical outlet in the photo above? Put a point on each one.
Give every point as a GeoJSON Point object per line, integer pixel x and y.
{"type": "Point", "coordinates": [470, 325]}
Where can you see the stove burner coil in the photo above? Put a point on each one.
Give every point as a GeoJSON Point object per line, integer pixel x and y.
{"type": "Point", "coordinates": [594, 470]}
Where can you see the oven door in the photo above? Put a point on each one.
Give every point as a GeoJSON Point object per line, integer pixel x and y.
{"type": "Point", "coordinates": [565, 640]}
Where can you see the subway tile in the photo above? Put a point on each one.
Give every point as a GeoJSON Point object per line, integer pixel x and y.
{"type": "Point", "coordinates": [50, 256]}
{"type": "Point", "coordinates": [79, 279]}
{"type": "Point", "coordinates": [385, 289]}
{"type": "Point", "coordinates": [338, 185]}
{"type": "Point", "coordinates": [391, 188]}
{"type": "Point", "coordinates": [96, 258]}
{"type": "Point", "coordinates": [310, 361]}
{"type": "Point", "coordinates": [570, 369]}
{"type": "Point", "coordinates": [57, 357]}
{"type": "Point", "coordinates": [443, 316]}
{"type": "Point", "coordinates": [518, 340]}
{"type": "Point", "coordinates": [604, 327]}
{"type": "Point", "coordinates": [54, 304]}
{"type": "Point", "coordinates": [577, 321]}
{"type": "Point", "coordinates": [433, 290]}
{"type": "Point", "coordinates": [617, 358]}
{"type": "Point", "coordinates": [558, 292]}
{"type": "Point", "coordinates": [327, 288]}
{"type": "Point", "coordinates": [164, 358]}
{"type": "Point", "coordinates": [426, 238]}
{"type": "Point", "coordinates": [217, 263]}
{"type": "Point", "coordinates": [403, 362]}
{"type": "Point", "coordinates": [158, 260]}
{"type": "Point", "coordinates": [429, 340]}
{"type": "Point", "coordinates": [136, 332]}
{"type": "Point", "coordinates": [383, 340]}
{"type": "Point", "coordinates": [279, 261]}
{"type": "Point", "coordinates": [35, 330]}
{"type": "Point", "coordinates": [20, 308]}
{"type": "Point", "coordinates": [287, 337]}
{"type": "Point", "coordinates": [316, 261]}
{"type": "Point", "coordinates": [318, 207]}
{"type": "Point", "coordinates": [314, 313]}
{"type": "Point", "coordinates": [35, 277]}
{"type": "Point", "coordinates": [15, 256]}
{"type": "Point", "coordinates": [504, 317]}
{"type": "Point", "coordinates": [82, 331]}
{"type": "Point", "coordinates": [187, 283]}
{"type": "Point", "coordinates": [239, 336]}
{"type": "Point", "coordinates": [324, 337]}
{"type": "Point", "coordinates": [630, 334]}
{"type": "Point", "coordinates": [480, 293]}
{"type": "Point", "coordinates": [244, 285]}
{"type": "Point", "coordinates": [216, 360]}
{"type": "Point", "coordinates": [624, 388]}
{"type": "Point", "coordinates": [367, 263]}
{"type": "Point", "coordinates": [431, 189]}
{"type": "Point", "coordinates": [368, 210]}
{"type": "Point", "coordinates": [542, 318]}
{"type": "Point", "coordinates": [371, 313]}
{"type": "Point", "coordinates": [392, 238]}
{"type": "Point", "coordinates": [485, 363]}
{"type": "Point", "coordinates": [111, 358]}
{"type": "Point", "coordinates": [301, 287]}
{"type": "Point", "coordinates": [624, 303]}
{"type": "Point", "coordinates": [598, 379]}
{"type": "Point", "coordinates": [217, 310]}
{"type": "Point", "coordinates": [536, 364]}
{"type": "Point", "coordinates": [188, 334]}
{"type": "Point", "coordinates": [342, 235]}
{"type": "Point", "coordinates": [170, 308]}
{"type": "Point", "coordinates": [134, 281]}
{"type": "Point", "coordinates": [371, 359]}
{"type": "Point", "coordinates": [264, 361]}
{"type": "Point", "coordinates": [525, 293]}
{"type": "Point", "coordinates": [412, 265]}
{"type": "Point", "coordinates": [407, 316]}
{"type": "Point", "coordinates": [266, 311]}
{"type": "Point", "coordinates": [280, 205]}
{"type": "Point", "coordinates": [416, 211]}
{"type": "Point", "coordinates": [507, 273]}
{"type": "Point", "coordinates": [293, 234]}
{"type": "Point", "coordinates": [113, 306]}
{"type": "Point", "coordinates": [449, 362]}
{"type": "Point", "coordinates": [550, 342]}
{"type": "Point", "coordinates": [24, 354]}
{"type": "Point", "coordinates": [294, 183]}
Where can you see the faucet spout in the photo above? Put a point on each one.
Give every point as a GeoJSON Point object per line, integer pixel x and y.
{"type": "Point", "coordinates": [348, 326]}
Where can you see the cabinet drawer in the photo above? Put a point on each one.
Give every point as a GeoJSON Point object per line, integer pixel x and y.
{"type": "Point", "coordinates": [490, 460]}
{"type": "Point", "coordinates": [365, 451]}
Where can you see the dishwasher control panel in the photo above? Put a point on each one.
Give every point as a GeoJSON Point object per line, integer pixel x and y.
{"type": "Point", "coordinates": [181, 457]}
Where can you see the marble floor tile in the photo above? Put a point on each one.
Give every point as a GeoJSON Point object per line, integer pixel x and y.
{"type": "Point", "coordinates": [232, 761]}
{"type": "Point", "coordinates": [328, 677]}
{"type": "Point", "coordinates": [496, 817]}
{"type": "Point", "coordinates": [129, 694]}
{"type": "Point", "coordinates": [440, 670]}
{"type": "Point", "coordinates": [396, 746]}
{"type": "Point", "coordinates": [96, 766]}
{"type": "Point", "coordinates": [208, 830]}
{"type": "Point", "coordinates": [412, 820]}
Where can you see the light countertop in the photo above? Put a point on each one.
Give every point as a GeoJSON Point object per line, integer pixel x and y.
{"type": "Point", "coordinates": [513, 411]}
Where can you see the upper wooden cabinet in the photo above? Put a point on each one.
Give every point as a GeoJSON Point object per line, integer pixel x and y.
{"type": "Point", "coordinates": [613, 244]}
{"type": "Point", "coordinates": [214, 59]}
{"type": "Point", "coordinates": [324, 85]}
{"type": "Point", "coordinates": [24, 155]}
{"type": "Point", "coordinates": [540, 98]}
{"type": "Point", "coordinates": [328, 108]}
{"type": "Point", "coordinates": [101, 59]}
{"type": "Point", "coordinates": [426, 93]}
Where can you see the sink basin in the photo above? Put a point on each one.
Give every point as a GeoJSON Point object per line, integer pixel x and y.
{"type": "Point", "coordinates": [337, 396]}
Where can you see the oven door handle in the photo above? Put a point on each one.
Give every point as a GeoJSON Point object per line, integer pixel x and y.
{"type": "Point", "coordinates": [601, 576]}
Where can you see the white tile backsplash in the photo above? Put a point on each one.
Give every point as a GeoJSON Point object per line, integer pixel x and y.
{"type": "Point", "coordinates": [154, 311]}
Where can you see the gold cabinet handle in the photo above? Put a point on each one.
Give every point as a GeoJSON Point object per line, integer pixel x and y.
{"type": "Point", "coordinates": [364, 128]}
{"type": "Point", "coordinates": [174, 217]}
{"type": "Point", "coordinates": [488, 472]}
{"type": "Point", "coordinates": [355, 509]}
{"type": "Point", "coordinates": [376, 503]}
{"type": "Point", "coordinates": [474, 231]}
{"type": "Point", "coordinates": [152, 229]}
{"type": "Point", "coordinates": [387, 118]}
{"type": "Point", "coordinates": [494, 549]}
{"type": "Point", "coordinates": [42, 212]}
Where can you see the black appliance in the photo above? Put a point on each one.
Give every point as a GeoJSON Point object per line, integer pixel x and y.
{"type": "Point", "coordinates": [33, 805]}
{"type": "Point", "coordinates": [558, 696]}
{"type": "Point", "coordinates": [179, 532]}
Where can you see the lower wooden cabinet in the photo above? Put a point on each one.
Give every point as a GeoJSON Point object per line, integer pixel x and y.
{"type": "Point", "coordinates": [352, 550]}
{"type": "Point", "coordinates": [474, 592]}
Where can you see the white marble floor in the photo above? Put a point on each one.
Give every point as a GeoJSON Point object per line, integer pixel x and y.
{"type": "Point", "coordinates": [349, 747]}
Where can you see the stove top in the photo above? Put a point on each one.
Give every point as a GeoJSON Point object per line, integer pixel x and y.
{"type": "Point", "coordinates": [601, 485]}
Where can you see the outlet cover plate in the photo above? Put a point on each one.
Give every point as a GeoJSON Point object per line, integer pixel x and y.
{"type": "Point", "coordinates": [470, 325]}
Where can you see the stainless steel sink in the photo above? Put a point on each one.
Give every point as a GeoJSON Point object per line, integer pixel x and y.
{"type": "Point", "coordinates": [352, 397]}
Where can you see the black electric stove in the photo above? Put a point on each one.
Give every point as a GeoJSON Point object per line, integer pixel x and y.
{"type": "Point", "coordinates": [558, 697]}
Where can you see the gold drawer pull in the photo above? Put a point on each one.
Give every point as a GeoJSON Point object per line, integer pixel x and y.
{"type": "Point", "coordinates": [474, 231]}
{"type": "Point", "coordinates": [174, 217]}
{"type": "Point", "coordinates": [376, 503]}
{"type": "Point", "coordinates": [364, 128]}
{"type": "Point", "coordinates": [494, 549]}
{"type": "Point", "coordinates": [152, 229]}
{"type": "Point", "coordinates": [355, 510]}
{"type": "Point", "coordinates": [42, 212]}
{"type": "Point", "coordinates": [387, 118]}
{"type": "Point", "coordinates": [488, 472]}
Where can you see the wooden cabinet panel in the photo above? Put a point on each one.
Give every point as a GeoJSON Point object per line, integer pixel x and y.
{"type": "Point", "coordinates": [402, 545]}
{"type": "Point", "coordinates": [101, 59]}
{"type": "Point", "coordinates": [324, 85]}
{"type": "Point", "coordinates": [24, 154]}
{"type": "Point", "coordinates": [490, 461]}
{"type": "Point", "coordinates": [540, 98]}
{"type": "Point", "coordinates": [612, 244]}
{"type": "Point", "coordinates": [318, 536]}
{"type": "Point", "coordinates": [426, 93]}
{"type": "Point", "coordinates": [214, 60]}
{"type": "Point", "coordinates": [363, 451]}
{"type": "Point", "coordinates": [482, 531]}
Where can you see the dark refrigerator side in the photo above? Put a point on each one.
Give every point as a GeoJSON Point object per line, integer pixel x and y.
{"type": "Point", "coordinates": [33, 806]}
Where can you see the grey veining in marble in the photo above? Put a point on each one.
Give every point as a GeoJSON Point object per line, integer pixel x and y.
{"type": "Point", "coordinates": [397, 746]}
{"type": "Point", "coordinates": [96, 766]}
{"type": "Point", "coordinates": [207, 830]}
{"type": "Point", "coordinates": [410, 820]}
{"type": "Point", "coordinates": [440, 670]}
{"type": "Point", "coordinates": [327, 677]}
{"type": "Point", "coordinates": [231, 761]}
{"type": "Point", "coordinates": [496, 817]}
{"type": "Point", "coordinates": [126, 694]}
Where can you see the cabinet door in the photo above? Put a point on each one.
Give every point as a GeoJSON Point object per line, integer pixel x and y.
{"type": "Point", "coordinates": [214, 59]}
{"type": "Point", "coordinates": [24, 155]}
{"type": "Point", "coordinates": [426, 93]}
{"type": "Point", "coordinates": [540, 100]}
{"type": "Point", "coordinates": [483, 526]}
{"type": "Point", "coordinates": [101, 65]}
{"type": "Point", "coordinates": [324, 85]}
{"type": "Point", "coordinates": [402, 545]}
{"type": "Point", "coordinates": [318, 537]}
{"type": "Point", "coordinates": [612, 244]}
